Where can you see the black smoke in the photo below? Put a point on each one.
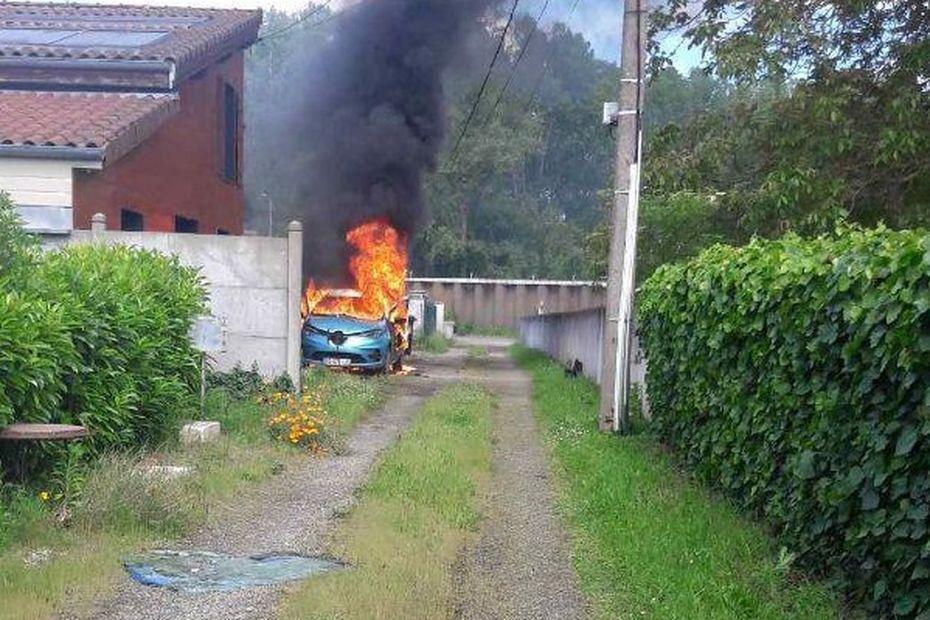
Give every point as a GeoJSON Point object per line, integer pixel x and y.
{"type": "Point", "coordinates": [364, 121]}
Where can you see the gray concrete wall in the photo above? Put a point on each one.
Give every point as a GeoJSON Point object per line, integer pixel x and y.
{"type": "Point", "coordinates": [254, 284]}
{"type": "Point", "coordinates": [570, 336]}
{"type": "Point", "coordinates": [501, 303]}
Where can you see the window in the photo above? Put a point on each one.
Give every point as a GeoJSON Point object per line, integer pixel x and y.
{"type": "Point", "coordinates": [230, 133]}
{"type": "Point", "coordinates": [131, 221]}
{"type": "Point", "coordinates": [185, 225]}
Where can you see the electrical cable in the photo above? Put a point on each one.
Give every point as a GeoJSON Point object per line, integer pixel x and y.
{"type": "Point", "coordinates": [283, 29]}
{"type": "Point", "coordinates": [484, 85]}
{"type": "Point", "coordinates": [516, 63]}
{"type": "Point", "coordinates": [542, 74]}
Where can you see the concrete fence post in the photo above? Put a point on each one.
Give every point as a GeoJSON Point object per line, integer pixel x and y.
{"type": "Point", "coordinates": [98, 222]}
{"type": "Point", "coordinates": [295, 257]}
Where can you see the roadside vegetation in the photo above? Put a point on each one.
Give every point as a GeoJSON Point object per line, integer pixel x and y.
{"type": "Point", "coordinates": [434, 343]}
{"type": "Point", "coordinates": [53, 552]}
{"type": "Point", "coordinates": [793, 375]}
{"type": "Point", "coordinates": [649, 541]}
{"type": "Point", "coordinates": [404, 536]}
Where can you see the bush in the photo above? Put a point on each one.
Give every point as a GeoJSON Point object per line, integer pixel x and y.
{"type": "Point", "coordinates": [36, 354]}
{"type": "Point", "coordinates": [129, 312]}
{"type": "Point", "coordinates": [17, 248]}
{"type": "Point", "coordinates": [98, 336]}
{"type": "Point", "coordinates": [796, 376]}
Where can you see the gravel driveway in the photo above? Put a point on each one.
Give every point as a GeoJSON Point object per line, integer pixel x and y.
{"type": "Point", "coordinates": [520, 565]}
{"type": "Point", "coordinates": [289, 514]}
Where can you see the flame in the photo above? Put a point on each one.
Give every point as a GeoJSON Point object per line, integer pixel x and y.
{"type": "Point", "coordinates": [379, 269]}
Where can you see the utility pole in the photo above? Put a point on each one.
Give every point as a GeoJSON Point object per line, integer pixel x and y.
{"type": "Point", "coordinates": [618, 320]}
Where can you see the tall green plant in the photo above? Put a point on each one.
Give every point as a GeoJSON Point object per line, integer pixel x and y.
{"type": "Point", "coordinates": [129, 312]}
{"type": "Point", "coordinates": [17, 248]}
{"type": "Point", "coordinates": [795, 374]}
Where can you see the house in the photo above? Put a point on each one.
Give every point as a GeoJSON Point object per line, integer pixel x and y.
{"type": "Point", "coordinates": [134, 112]}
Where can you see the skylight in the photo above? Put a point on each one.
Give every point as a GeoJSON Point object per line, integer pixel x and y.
{"type": "Point", "coordinates": [77, 38]}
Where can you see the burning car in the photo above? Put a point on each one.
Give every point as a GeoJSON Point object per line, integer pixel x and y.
{"type": "Point", "coordinates": [365, 327]}
{"type": "Point", "coordinates": [344, 341]}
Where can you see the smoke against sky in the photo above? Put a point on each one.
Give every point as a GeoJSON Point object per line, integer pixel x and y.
{"type": "Point", "coordinates": [368, 107]}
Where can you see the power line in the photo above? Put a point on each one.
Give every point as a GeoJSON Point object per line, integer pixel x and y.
{"type": "Point", "coordinates": [542, 74]}
{"type": "Point", "coordinates": [283, 29]}
{"type": "Point", "coordinates": [484, 84]}
{"type": "Point", "coordinates": [516, 63]}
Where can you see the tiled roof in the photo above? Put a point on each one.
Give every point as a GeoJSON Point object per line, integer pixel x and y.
{"type": "Point", "coordinates": [112, 124]}
{"type": "Point", "coordinates": [191, 38]}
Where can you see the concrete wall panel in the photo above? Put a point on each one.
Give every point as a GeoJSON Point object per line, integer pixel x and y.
{"type": "Point", "coordinates": [253, 284]}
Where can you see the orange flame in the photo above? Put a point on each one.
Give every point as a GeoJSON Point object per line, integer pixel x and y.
{"type": "Point", "coordinates": [379, 270]}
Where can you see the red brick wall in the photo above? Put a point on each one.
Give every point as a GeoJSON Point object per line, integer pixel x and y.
{"type": "Point", "coordinates": [177, 171]}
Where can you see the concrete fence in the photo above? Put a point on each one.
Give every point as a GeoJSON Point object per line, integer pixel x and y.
{"type": "Point", "coordinates": [254, 284]}
{"type": "Point", "coordinates": [501, 303]}
{"type": "Point", "coordinates": [570, 336]}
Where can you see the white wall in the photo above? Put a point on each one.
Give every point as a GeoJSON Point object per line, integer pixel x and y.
{"type": "Point", "coordinates": [251, 288]}
{"type": "Point", "coordinates": [42, 190]}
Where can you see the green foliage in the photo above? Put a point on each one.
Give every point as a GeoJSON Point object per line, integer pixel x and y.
{"type": "Point", "coordinates": [434, 343]}
{"type": "Point", "coordinates": [794, 375]}
{"type": "Point", "coordinates": [238, 383]}
{"type": "Point", "coordinates": [128, 312]}
{"type": "Point", "coordinates": [96, 336]}
{"type": "Point", "coordinates": [680, 552]}
{"type": "Point", "coordinates": [17, 248]}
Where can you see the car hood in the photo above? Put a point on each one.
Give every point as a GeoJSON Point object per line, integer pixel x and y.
{"type": "Point", "coordinates": [344, 324]}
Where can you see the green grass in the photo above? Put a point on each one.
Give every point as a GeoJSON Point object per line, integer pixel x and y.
{"type": "Point", "coordinates": [434, 343]}
{"type": "Point", "coordinates": [119, 511]}
{"type": "Point", "coordinates": [648, 542]}
{"type": "Point", "coordinates": [404, 536]}
{"type": "Point", "coordinates": [347, 397]}
{"type": "Point", "coordinates": [468, 329]}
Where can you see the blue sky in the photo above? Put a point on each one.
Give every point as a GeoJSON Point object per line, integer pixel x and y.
{"type": "Point", "coordinates": [599, 20]}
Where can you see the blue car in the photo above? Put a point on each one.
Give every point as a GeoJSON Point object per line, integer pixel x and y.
{"type": "Point", "coordinates": [347, 342]}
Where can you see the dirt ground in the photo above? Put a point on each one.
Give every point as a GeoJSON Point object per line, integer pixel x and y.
{"type": "Point", "coordinates": [517, 567]}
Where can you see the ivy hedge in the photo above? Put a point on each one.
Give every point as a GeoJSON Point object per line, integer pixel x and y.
{"type": "Point", "coordinates": [795, 375]}
{"type": "Point", "coordinates": [95, 336]}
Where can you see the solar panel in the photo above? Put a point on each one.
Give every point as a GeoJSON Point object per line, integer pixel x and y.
{"type": "Point", "coordinates": [111, 38]}
{"type": "Point", "coordinates": [33, 36]}
{"type": "Point", "coordinates": [150, 21]}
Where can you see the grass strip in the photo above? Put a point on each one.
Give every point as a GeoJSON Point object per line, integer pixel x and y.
{"type": "Point", "coordinates": [404, 536]}
{"type": "Point", "coordinates": [46, 567]}
{"type": "Point", "coordinates": [647, 541]}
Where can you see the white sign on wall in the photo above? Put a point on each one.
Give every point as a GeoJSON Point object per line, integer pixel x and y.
{"type": "Point", "coordinates": [207, 335]}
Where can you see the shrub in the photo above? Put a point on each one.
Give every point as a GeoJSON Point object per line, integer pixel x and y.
{"type": "Point", "coordinates": [17, 248]}
{"type": "Point", "coordinates": [36, 354]}
{"type": "Point", "coordinates": [128, 312]}
{"type": "Point", "coordinates": [238, 382]}
{"type": "Point", "coordinates": [97, 336]}
{"type": "Point", "coordinates": [300, 421]}
{"type": "Point", "coordinates": [796, 376]}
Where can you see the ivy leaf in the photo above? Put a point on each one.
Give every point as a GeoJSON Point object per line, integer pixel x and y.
{"type": "Point", "coordinates": [906, 441]}
{"type": "Point", "coordinates": [805, 465]}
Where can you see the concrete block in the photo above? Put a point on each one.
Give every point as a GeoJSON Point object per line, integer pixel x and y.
{"type": "Point", "coordinates": [166, 472]}
{"type": "Point", "coordinates": [200, 432]}
{"type": "Point", "coordinates": [448, 330]}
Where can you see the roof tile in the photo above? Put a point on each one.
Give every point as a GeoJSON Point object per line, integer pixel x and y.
{"type": "Point", "coordinates": [193, 37]}
{"type": "Point", "coordinates": [116, 123]}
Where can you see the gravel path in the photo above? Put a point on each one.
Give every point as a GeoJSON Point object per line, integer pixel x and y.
{"type": "Point", "coordinates": [291, 514]}
{"type": "Point", "coordinates": [520, 566]}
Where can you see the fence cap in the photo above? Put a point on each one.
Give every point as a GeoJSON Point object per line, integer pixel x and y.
{"type": "Point", "coordinates": [295, 226]}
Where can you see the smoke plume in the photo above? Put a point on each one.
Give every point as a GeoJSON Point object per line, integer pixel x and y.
{"type": "Point", "coordinates": [368, 109]}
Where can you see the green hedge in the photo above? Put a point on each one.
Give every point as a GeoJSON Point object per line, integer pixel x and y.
{"type": "Point", "coordinates": [128, 312]}
{"type": "Point", "coordinates": [795, 374]}
{"type": "Point", "coordinates": [96, 336]}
